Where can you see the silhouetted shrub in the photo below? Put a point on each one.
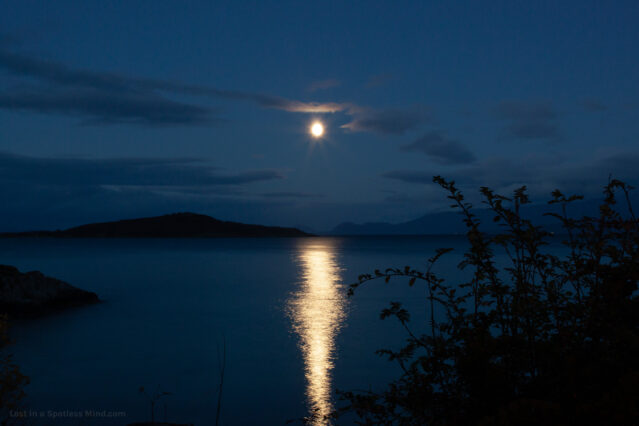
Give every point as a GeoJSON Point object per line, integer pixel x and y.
{"type": "Point", "coordinates": [542, 339]}
{"type": "Point", "coordinates": [12, 381]}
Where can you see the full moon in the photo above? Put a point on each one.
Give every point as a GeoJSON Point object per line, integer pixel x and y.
{"type": "Point", "coordinates": [317, 129]}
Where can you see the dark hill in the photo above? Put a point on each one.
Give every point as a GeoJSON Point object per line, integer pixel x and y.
{"type": "Point", "coordinates": [178, 225]}
{"type": "Point", "coordinates": [450, 222]}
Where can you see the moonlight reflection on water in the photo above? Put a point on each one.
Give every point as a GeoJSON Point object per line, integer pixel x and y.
{"type": "Point", "coordinates": [317, 311]}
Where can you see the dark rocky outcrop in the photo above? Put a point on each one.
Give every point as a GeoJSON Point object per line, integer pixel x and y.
{"type": "Point", "coordinates": [31, 294]}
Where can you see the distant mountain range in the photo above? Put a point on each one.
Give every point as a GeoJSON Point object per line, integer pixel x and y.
{"type": "Point", "coordinates": [178, 225]}
{"type": "Point", "coordinates": [451, 223]}
{"type": "Point", "coordinates": [191, 225]}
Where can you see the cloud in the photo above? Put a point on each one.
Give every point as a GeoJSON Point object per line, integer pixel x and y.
{"type": "Point", "coordinates": [323, 84]}
{"type": "Point", "coordinates": [592, 105]}
{"type": "Point", "coordinates": [105, 98]}
{"type": "Point", "coordinates": [290, 194]}
{"type": "Point", "coordinates": [541, 173]}
{"type": "Point", "coordinates": [494, 172]}
{"type": "Point", "coordinates": [259, 99]}
{"type": "Point", "coordinates": [516, 110]}
{"type": "Point", "coordinates": [410, 176]}
{"type": "Point", "coordinates": [32, 206]}
{"type": "Point", "coordinates": [378, 80]}
{"type": "Point", "coordinates": [533, 130]}
{"type": "Point", "coordinates": [104, 107]}
{"type": "Point", "coordinates": [390, 121]}
{"type": "Point", "coordinates": [110, 98]}
{"type": "Point", "coordinates": [441, 149]}
{"type": "Point", "coordinates": [46, 193]}
{"type": "Point", "coordinates": [98, 98]}
{"type": "Point", "coordinates": [138, 173]}
{"type": "Point", "coordinates": [55, 193]}
{"type": "Point", "coordinates": [297, 106]}
{"type": "Point", "coordinates": [529, 120]}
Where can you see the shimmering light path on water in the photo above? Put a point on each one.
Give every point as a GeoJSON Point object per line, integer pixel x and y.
{"type": "Point", "coordinates": [317, 311]}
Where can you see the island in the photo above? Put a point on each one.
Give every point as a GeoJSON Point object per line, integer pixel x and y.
{"type": "Point", "coordinates": [177, 225]}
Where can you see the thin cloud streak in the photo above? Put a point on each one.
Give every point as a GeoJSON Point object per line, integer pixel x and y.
{"type": "Point", "coordinates": [323, 84]}
{"type": "Point", "coordinates": [103, 107]}
{"type": "Point", "coordinates": [114, 98]}
{"type": "Point", "coordinates": [123, 172]}
{"type": "Point", "coordinates": [529, 120]}
{"type": "Point", "coordinates": [591, 104]}
{"type": "Point", "coordinates": [110, 98]}
{"type": "Point", "coordinates": [290, 195]}
{"type": "Point", "coordinates": [390, 121]}
{"type": "Point", "coordinates": [540, 174]}
{"type": "Point", "coordinates": [441, 149]}
{"type": "Point", "coordinates": [378, 80]}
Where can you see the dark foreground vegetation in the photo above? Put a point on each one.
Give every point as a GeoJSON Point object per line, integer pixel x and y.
{"type": "Point", "coordinates": [177, 225]}
{"type": "Point", "coordinates": [542, 339]}
{"type": "Point", "coordinates": [12, 381]}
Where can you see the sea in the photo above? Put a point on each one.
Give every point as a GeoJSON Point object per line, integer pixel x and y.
{"type": "Point", "coordinates": [215, 331]}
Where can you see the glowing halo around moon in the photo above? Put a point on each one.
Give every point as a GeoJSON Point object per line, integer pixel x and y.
{"type": "Point", "coordinates": [317, 129]}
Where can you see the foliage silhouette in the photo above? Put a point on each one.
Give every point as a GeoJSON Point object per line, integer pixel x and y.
{"type": "Point", "coordinates": [221, 360]}
{"type": "Point", "coordinates": [543, 339]}
{"type": "Point", "coordinates": [12, 381]}
{"type": "Point", "coordinates": [153, 399]}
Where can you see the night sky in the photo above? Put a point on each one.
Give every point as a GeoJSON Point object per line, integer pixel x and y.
{"type": "Point", "coordinates": [112, 110]}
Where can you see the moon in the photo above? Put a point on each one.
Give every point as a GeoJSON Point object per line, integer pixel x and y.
{"type": "Point", "coordinates": [317, 129]}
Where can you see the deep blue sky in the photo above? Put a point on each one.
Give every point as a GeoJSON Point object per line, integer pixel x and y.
{"type": "Point", "coordinates": [111, 109]}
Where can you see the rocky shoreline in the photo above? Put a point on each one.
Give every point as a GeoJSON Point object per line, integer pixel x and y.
{"type": "Point", "coordinates": [32, 294]}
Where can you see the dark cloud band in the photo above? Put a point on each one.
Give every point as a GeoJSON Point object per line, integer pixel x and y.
{"type": "Point", "coordinates": [123, 172]}
{"type": "Point", "coordinates": [108, 98]}
{"type": "Point", "coordinates": [441, 149]}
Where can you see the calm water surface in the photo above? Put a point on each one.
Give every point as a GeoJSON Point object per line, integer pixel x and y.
{"type": "Point", "coordinates": [279, 306]}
